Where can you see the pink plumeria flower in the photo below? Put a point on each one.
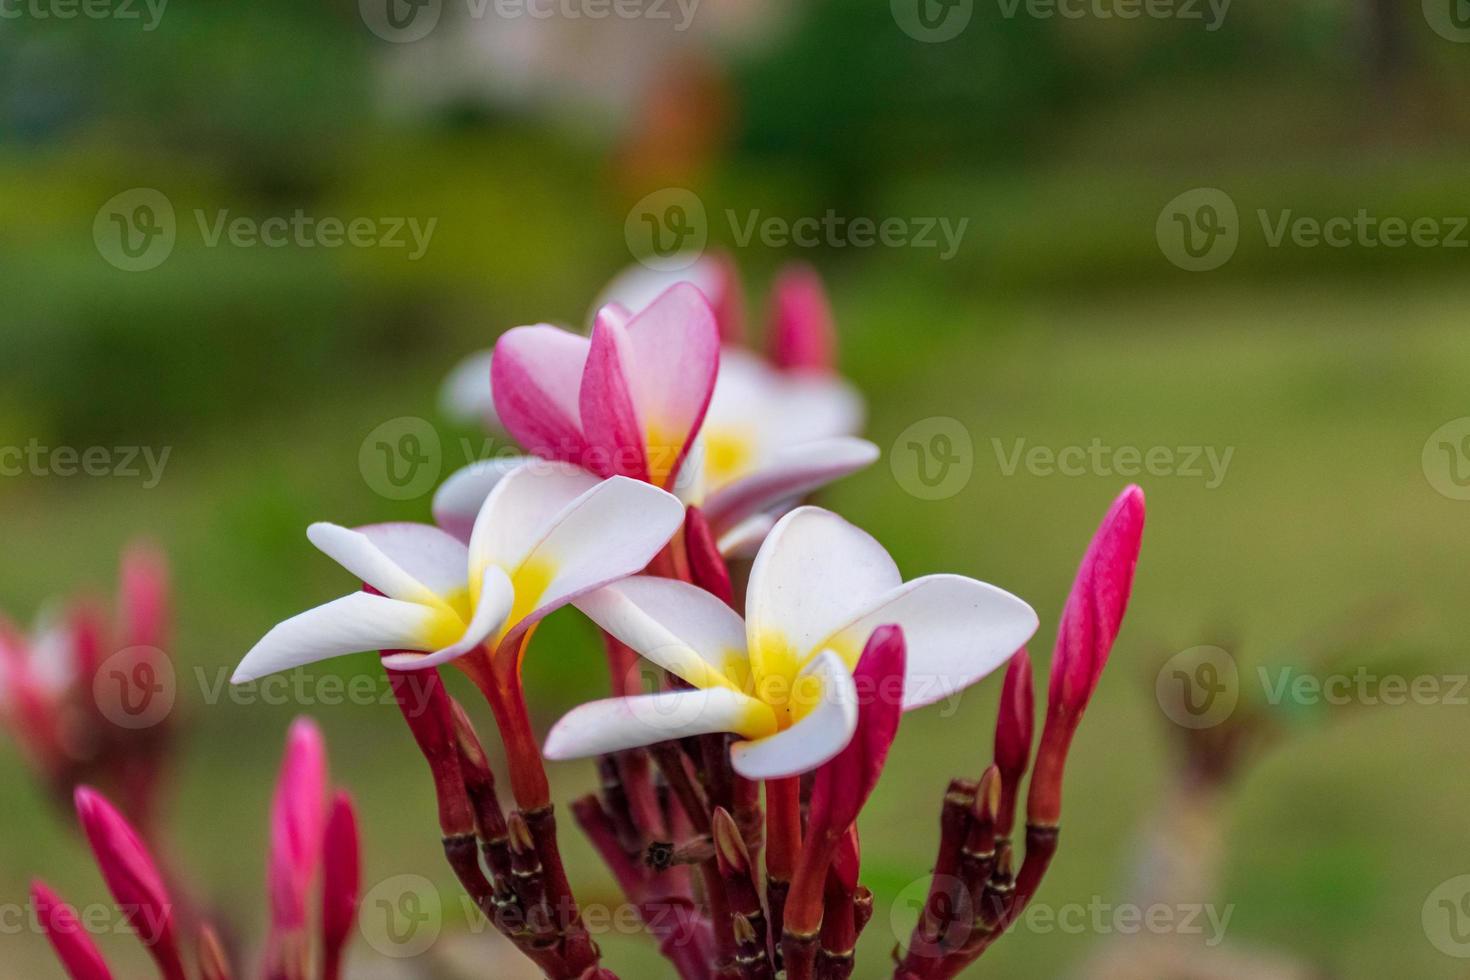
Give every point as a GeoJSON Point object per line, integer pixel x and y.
{"type": "Point", "coordinates": [782, 677]}
{"type": "Point", "coordinates": [545, 535]}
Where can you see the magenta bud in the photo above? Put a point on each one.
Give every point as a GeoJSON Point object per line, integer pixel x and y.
{"type": "Point", "coordinates": [803, 337]}
{"type": "Point", "coordinates": [298, 817]}
{"type": "Point", "coordinates": [1014, 728]}
{"type": "Point", "coordinates": [341, 879]}
{"type": "Point", "coordinates": [78, 954]}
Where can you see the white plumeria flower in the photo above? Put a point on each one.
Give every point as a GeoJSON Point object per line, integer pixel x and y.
{"type": "Point", "coordinates": [782, 677]}
{"type": "Point", "coordinates": [548, 534]}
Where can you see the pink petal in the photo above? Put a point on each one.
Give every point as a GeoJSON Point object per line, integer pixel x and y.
{"type": "Point", "coordinates": [609, 417]}
{"type": "Point", "coordinates": [1014, 729]}
{"type": "Point", "coordinates": [1095, 606]}
{"type": "Point", "coordinates": [803, 337]}
{"type": "Point", "coordinates": [133, 879]}
{"type": "Point", "coordinates": [843, 786]}
{"type": "Point", "coordinates": [341, 878]}
{"type": "Point", "coordinates": [144, 596]}
{"type": "Point", "coordinates": [791, 473]}
{"type": "Point", "coordinates": [536, 375]}
{"type": "Point", "coordinates": [78, 954]}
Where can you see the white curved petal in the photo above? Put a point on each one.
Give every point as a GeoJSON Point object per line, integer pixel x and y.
{"type": "Point", "coordinates": [491, 610]}
{"type": "Point", "coordinates": [521, 509]}
{"type": "Point", "coordinates": [819, 736]}
{"type": "Point", "coordinates": [428, 554]}
{"type": "Point", "coordinates": [815, 406]}
{"type": "Point", "coordinates": [637, 286]}
{"type": "Point", "coordinates": [955, 629]}
{"type": "Point", "coordinates": [459, 498]}
{"type": "Point", "coordinates": [608, 533]}
{"type": "Point", "coordinates": [465, 395]}
{"type": "Point", "coordinates": [626, 723]}
{"type": "Point", "coordinates": [354, 623]}
{"type": "Point", "coordinates": [814, 574]}
{"type": "Point", "coordinates": [357, 552]}
{"type": "Point", "coordinates": [53, 662]}
{"type": "Point", "coordinates": [678, 626]}
{"type": "Point", "coordinates": [744, 540]}
{"type": "Point", "coordinates": [789, 474]}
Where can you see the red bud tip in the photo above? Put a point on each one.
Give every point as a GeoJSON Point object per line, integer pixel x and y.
{"type": "Point", "coordinates": [298, 817]}
{"type": "Point", "coordinates": [1095, 607]}
{"type": "Point", "coordinates": [521, 840]}
{"type": "Point", "coordinates": [1014, 728]}
{"type": "Point", "coordinates": [987, 797]}
{"type": "Point", "coordinates": [803, 337]}
{"type": "Point", "coordinates": [341, 875]}
{"type": "Point", "coordinates": [132, 877]}
{"type": "Point", "coordinates": [78, 954]}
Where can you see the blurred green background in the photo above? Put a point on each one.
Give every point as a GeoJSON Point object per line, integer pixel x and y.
{"type": "Point", "coordinates": [1060, 319]}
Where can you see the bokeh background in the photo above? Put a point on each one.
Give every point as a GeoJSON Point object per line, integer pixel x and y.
{"type": "Point", "coordinates": [1336, 535]}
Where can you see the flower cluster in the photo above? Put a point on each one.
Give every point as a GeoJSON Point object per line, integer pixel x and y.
{"type": "Point", "coordinates": [761, 652]}
{"type": "Point", "coordinates": [311, 838]}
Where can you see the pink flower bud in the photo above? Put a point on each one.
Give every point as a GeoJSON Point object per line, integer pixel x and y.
{"type": "Point", "coordinates": [1014, 727]}
{"type": "Point", "coordinates": [341, 882]}
{"type": "Point", "coordinates": [133, 879]}
{"type": "Point", "coordinates": [803, 337]}
{"type": "Point", "coordinates": [706, 566]}
{"type": "Point", "coordinates": [297, 821]}
{"type": "Point", "coordinates": [144, 597]}
{"type": "Point", "coordinates": [75, 949]}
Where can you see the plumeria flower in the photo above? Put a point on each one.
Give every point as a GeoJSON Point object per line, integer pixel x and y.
{"type": "Point", "coordinates": [767, 437]}
{"type": "Point", "coordinates": [782, 678]}
{"type": "Point", "coordinates": [547, 534]}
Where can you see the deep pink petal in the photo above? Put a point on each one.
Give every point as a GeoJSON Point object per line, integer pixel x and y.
{"type": "Point", "coordinates": [132, 877]}
{"type": "Point", "coordinates": [1095, 606]}
{"type": "Point", "coordinates": [78, 954]}
{"type": "Point", "coordinates": [536, 375]}
{"type": "Point", "coordinates": [609, 417]}
{"type": "Point", "coordinates": [1014, 729]}
{"type": "Point", "coordinates": [803, 337]}
{"type": "Point", "coordinates": [341, 879]}
{"type": "Point", "coordinates": [144, 596]}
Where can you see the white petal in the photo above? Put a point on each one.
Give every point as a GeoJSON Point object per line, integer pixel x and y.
{"type": "Point", "coordinates": [814, 574]}
{"type": "Point", "coordinates": [491, 609]}
{"type": "Point", "coordinates": [608, 533]}
{"type": "Point", "coordinates": [465, 395]}
{"type": "Point", "coordinates": [789, 474]}
{"type": "Point", "coordinates": [816, 738]}
{"type": "Point", "coordinates": [357, 553]}
{"type": "Point", "coordinates": [625, 723]}
{"type": "Point", "coordinates": [815, 406]}
{"type": "Point", "coordinates": [521, 509]}
{"type": "Point", "coordinates": [637, 286]}
{"type": "Point", "coordinates": [428, 554]}
{"type": "Point", "coordinates": [53, 654]}
{"type": "Point", "coordinates": [354, 623]}
{"type": "Point", "coordinates": [956, 630]}
{"type": "Point", "coordinates": [678, 626]}
{"type": "Point", "coordinates": [458, 500]}
{"type": "Point", "coordinates": [744, 540]}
